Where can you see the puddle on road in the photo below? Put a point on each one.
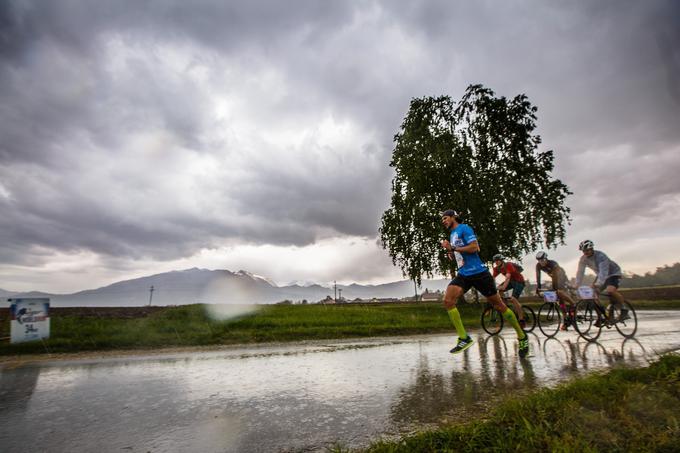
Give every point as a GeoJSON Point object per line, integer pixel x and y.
{"type": "Point", "coordinates": [293, 397]}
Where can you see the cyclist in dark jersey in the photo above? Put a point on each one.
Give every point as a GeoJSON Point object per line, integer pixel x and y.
{"type": "Point", "coordinates": [514, 280]}
{"type": "Point", "coordinates": [463, 246]}
{"type": "Point", "coordinates": [560, 282]}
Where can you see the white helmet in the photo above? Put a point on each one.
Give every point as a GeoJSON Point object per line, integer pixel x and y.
{"type": "Point", "coordinates": [586, 245]}
{"type": "Point", "coordinates": [541, 255]}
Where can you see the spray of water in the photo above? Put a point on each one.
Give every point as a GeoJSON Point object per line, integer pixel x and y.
{"type": "Point", "coordinates": [229, 298]}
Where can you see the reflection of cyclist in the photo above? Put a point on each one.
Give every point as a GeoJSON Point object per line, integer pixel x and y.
{"type": "Point", "coordinates": [472, 272]}
{"type": "Point", "coordinates": [560, 283]}
{"type": "Point", "coordinates": [608, 272]}
{"type": "Point", "coordinates": [513, 280]}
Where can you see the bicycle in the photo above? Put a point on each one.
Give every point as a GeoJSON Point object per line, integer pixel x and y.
{"type": "Point", "coordinates": [591, 316]}
{"type": "Point", "coordinates": [549, 314]}
{"type": "Point", "coordinates": [492, 320]}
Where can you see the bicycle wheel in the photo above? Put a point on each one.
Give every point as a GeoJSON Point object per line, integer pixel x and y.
{"type": "Point", "coordinates": [586, 318]}
{"type": "Point", "coordinates": [530, 318]}
{"type": "Point", "coordinates": [549, 319]}
{"type": "Point", "coordinates": [492, 321]}
{"type": "Point", "coordinates": [625, 320]}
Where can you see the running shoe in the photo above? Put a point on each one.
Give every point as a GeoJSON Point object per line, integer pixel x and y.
{"type": "Point", "coordinates": [463, 344]}
{"type": "Point", "coordinates": [524, 346]}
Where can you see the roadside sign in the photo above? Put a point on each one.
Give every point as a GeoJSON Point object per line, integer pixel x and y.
{"type": "Point", "coordinates": [550, 296]}
{"type": "Point", "coordinates": [30, 319]}
{"type": "Point", "coordinates": [586, 292]}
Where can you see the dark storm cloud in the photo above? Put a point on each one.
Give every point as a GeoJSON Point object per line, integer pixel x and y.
{"type": "Point", "coordinates": [85, 87]}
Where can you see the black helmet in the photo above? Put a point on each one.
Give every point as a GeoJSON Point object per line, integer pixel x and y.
{"type": "Point", "coordinates": [586, 245]}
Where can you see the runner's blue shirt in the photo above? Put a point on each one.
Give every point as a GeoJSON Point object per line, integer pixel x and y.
{"type": "Point", "coordinates": [468, 263]}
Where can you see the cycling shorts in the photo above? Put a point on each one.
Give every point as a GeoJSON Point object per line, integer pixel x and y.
{"type": "Point", "coordinates": [614, 281]}
{"type": "Point", "coordinates": [482, 282]}
{"type": "Point", "coordinates": [517, 288]}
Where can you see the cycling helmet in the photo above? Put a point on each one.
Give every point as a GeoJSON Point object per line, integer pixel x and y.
{"type": "Point", "coordinates": [586, 245]}
{"type": "Point", "coordinates": [498, 257]}
{"type": "Point", "coordinates": [541, 255]}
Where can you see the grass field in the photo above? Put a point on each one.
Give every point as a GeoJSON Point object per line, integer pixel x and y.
{"type": "Point", "coordinates": [624, 410]}
{"type": "Point", "coordinates": [191, 325]}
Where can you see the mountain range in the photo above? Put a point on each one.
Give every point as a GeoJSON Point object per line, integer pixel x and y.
{"type": "Point", "coordinates": [219, 287]}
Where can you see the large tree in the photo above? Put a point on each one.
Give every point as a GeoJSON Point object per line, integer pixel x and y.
{"type": "Point", "coordinates": [480, 157]}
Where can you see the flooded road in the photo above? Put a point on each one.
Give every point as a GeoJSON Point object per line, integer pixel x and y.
{"type": "Point", "coordinates": [293, 397]}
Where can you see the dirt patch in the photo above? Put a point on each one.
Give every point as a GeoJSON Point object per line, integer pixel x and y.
{"type": "Point", "coordinates": [95, 312]}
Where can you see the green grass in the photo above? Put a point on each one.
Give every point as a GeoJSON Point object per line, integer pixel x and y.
{"type": "Point", "coordinates": [191, 326]}
{"type": "Point", "coordinates": [623, 410]}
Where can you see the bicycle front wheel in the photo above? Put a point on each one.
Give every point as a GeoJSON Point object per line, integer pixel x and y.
{"type": "Point", "coordinates": [587, 316]}
{"type": "Point", "coordinates": [624, 319]}
{"type": "Point", "coordinates": [492, 321]}
{"type": "Point", "coordinates": [529, 318]}
{"type": "Point", "coordinates": [549, 319]}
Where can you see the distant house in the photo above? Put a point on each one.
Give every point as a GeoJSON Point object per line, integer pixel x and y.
{"type": "Point", "coordinates": [327, 300]}
{"type": "Point", "coordinates": [384, 299]}
{"type": "Point", "coordinates": [431, 296]}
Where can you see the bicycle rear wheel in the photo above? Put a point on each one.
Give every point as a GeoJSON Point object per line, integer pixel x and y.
{"type": "Point", "coordinates": [549, 319]}
{"type": "Point", "coordinates": [586, 315]}
{"type": "Point", "coordinates": [625, 319]}
{"type": "Point", "coordinates": [492, 321]}
{"type": "Point", "coordinates": [529, 318]}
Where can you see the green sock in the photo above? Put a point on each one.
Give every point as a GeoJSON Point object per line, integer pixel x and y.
{"type": "Point", "coordinates": [457, 322]}
{"type": "Point", "coordinates": [509, 316]}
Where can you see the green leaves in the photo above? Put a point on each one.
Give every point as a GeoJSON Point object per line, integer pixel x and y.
{"type": "Point", "coordinates": [480, 157]}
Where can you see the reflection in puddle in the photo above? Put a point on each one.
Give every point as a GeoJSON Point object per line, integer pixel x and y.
{"type": "Point", "coordinates": [296, 396]}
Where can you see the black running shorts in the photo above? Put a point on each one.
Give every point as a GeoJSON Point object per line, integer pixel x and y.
{"type": "Point", "coordinates": [482, 282]}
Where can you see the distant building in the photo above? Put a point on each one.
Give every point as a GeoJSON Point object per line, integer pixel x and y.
{"type": "Point", "coordinates": [327, 300]}
{"type": "Point", "coordinates": [431, 296]}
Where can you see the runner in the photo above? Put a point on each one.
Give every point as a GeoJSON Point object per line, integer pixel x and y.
{"type": "Point", "coordinates": [560, 283]}
{"type": "Point", "coordinates": [514, 280]}
{"type": "Point", "coordinates": [608, 273]}
{"type": "Point", "coordinates": [463, 246]}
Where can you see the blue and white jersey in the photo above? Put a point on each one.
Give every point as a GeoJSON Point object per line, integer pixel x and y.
{"type": "Point", "coordinates": [468, 263]}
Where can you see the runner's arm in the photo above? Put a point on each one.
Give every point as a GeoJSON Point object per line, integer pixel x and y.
{"type": "Point", "coordinates": [472, 247]}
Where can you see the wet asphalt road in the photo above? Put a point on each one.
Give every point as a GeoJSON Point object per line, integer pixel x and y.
{"type": "Point", "coordinates": [293, 397]}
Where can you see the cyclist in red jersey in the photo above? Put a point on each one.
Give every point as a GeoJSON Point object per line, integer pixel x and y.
{"type": "Point", "coordinates": [514, 280]}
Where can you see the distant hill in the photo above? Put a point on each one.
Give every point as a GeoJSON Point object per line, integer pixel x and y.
{"type": "Point", "coordinates": [5, 293]}
{"type": "Point", "coordinates": [220, 287]}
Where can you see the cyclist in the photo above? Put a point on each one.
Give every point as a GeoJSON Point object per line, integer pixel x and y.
{"type": "Point", "coordinates": [463, 246]}
{"type": "Point", "coordinates": [514, 280]}
{"type": "Point", "coordinates": [560, 283]}
{"type": "Point", "coordinates": [608, 273]}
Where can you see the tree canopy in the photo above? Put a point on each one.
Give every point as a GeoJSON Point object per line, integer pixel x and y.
{"type": "Point", "coordinates": [480, 157]}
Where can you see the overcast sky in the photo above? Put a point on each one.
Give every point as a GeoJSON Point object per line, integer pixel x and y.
{"type": "Point", "coordinates": [140, 137]}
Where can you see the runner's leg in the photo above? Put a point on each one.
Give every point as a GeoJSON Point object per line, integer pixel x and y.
{"type": "Point", "coordinates": [453, 292]}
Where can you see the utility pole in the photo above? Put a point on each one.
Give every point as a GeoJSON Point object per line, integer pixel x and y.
{"type": "Point", "coordinates": [415, 287]}
{"type": "Point", "coordinates": [340, 291]}
{"type": "Point", "coordinates": [151, 290]}
{"type": "Point", "coordinates": [335, 292]}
